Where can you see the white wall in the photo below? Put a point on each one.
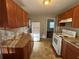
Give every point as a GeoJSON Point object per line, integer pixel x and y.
{"type": "Point", "coordinates": [43, 22]}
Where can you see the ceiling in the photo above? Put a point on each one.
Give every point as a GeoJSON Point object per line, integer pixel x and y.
{"type": "Point", "coordinates": [36, 7]}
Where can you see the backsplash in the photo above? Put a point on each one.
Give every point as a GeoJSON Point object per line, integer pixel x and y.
{"type": "Point", "coordinates": [73, 29]}
{"type": "Point", "coordinates": [69, 33]}
{"type": "Point", "coordinates": [10, 33]}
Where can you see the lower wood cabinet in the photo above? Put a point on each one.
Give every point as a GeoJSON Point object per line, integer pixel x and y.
{"type": "Point", "coordinates": [64, 47]}
{"type": "Point", "coordinates": [18, 53]}
{"type": "Point", "coordinates": [72, 52]}
{"type": "Point", "coordinates": [69, 51]}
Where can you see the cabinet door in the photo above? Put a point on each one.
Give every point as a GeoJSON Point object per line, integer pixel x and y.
{"type": "Point", "coordinates": [75, 22]}
{"type": "Point", "coordinates": [65, 15]}
{"type": "Point", "coordinates": [0, 14]}
{"type": "Point", "coordinates": [19, 16]}
{"type": "Point", "coordinates": [25, 18]}
{"type": "Point", "coordinates": [11, 13]}
{"type": "Point", "coordinates": [72, 52]}
{"type": "Point", "coordinates": [64, 48]}
{"type": "Point", "coordinates": [3, 12]}
{"type": "Point", "coordinates": [68, 14]}
{"type": "Point", "coordinates": [26, 51]}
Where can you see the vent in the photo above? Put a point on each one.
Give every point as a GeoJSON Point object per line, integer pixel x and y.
{"type": "Point", "coordinates": [66, 20]}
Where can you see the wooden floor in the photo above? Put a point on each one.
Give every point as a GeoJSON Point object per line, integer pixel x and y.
{"type": "Point", "coordinates": [43, 50]}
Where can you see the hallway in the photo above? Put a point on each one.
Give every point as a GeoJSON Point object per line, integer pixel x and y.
{"type": "Point", "coordinates": [43, 50]}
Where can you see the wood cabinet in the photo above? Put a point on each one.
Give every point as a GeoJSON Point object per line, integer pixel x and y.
{"type": "Point", "coordinates": [72, 52]}
{"type": "Point", "coordinates": [65, 15]}
{"type": "Point", "coordinates": [64, 48]}
{"type": "Point", "coordinates": [23, 53]}
{"type": "Point", "coordinates": [68, 14]}
{"type": "Point", "coordinates": [19, 53]}
{"type": "Point", "coordinates": [75, 22]}
{"type": "Point", "coordinates": [3, 13]}
{"type": "Point", "coordinates": [25, 18]}
{"type": "Point", "coordinates": [69, 51]}
{"type": "Point", "coordinates": [22, 49]}
{"type": "Point", "coordinates": [8, 53]}
{"type": "Point", "coordinates": [12, 15]}
{"type": "Point", "coordinates": [0, 15]}
{"type": "Point", "coordinates": [71, 13]}
{"type": "Point", "coordinates": [19, 16]}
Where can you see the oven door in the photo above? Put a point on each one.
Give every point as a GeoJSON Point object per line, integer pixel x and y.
{"type": "Point", "coordinates": [57, 42]}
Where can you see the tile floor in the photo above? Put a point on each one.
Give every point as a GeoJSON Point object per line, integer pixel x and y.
{"type": "Point", "coordinates": [43, 50]}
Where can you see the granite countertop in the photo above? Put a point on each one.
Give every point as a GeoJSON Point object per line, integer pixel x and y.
{"type": "Point", "coordinates": [72, 41]}
{"type": "Point", "coordinates": [22, 40]}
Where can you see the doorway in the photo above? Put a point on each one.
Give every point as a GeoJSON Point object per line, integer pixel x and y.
{"type": "Point", "coordinates": [36, 31]}
{"type": "Point", "coordinates": [50, 28]}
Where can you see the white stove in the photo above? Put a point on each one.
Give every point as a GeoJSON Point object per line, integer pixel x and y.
{"type": "Point", "coordinates": [57, 39]}
{"type": "Point", "coordinates": [57, 43]}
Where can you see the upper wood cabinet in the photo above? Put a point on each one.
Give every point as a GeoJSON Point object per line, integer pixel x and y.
{"type": "Point", "coordinates": [12, 15]}
{"type": "Point", "coordinates": [75, 22]}
{"type": "Point", "coordinates": [71, 13]}
{"type": "Point", "coordinates": [19, 16]}
{"type": "Point", "coordinates": [65, 15]}
{"type": "Point", "coordinates": [25, 16]}
{"type": "Point", "coordinates": [68, 14]}
{"type": "Point", "coordinates": [0, 14]}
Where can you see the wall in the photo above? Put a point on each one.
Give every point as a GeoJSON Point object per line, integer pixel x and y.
{"type": "Point", "coordinates": [43, 22]}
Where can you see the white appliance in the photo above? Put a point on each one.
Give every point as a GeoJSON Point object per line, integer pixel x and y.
{"type": "Point", "coordinates": [57, 43]}
{"type": "Point", "coordinates": [36, 31]}
{"type": "Point", "coordinates": [57, 39]}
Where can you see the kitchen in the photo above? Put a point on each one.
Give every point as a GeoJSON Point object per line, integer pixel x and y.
{"type": "Point", "coordinates": [16, 29]}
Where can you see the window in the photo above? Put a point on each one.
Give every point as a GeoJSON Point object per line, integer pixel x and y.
{"type": "Point", "coordinates": [51, 25]}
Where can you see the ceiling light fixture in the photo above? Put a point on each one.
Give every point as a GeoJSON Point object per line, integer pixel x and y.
{"type": "Point", "coordinates": [46, 2]}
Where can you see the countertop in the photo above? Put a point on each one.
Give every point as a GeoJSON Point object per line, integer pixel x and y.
{"type": "Point", "coordinates": [72, 41]}
{"type": "Point", "coordinates": [22, 40]}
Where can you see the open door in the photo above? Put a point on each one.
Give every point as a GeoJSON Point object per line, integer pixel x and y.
{"type": "Point", "coordinates": [50, 28]}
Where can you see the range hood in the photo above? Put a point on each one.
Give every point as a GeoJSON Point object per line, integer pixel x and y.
{"type": "Point", "coordinates": [66, 20]}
